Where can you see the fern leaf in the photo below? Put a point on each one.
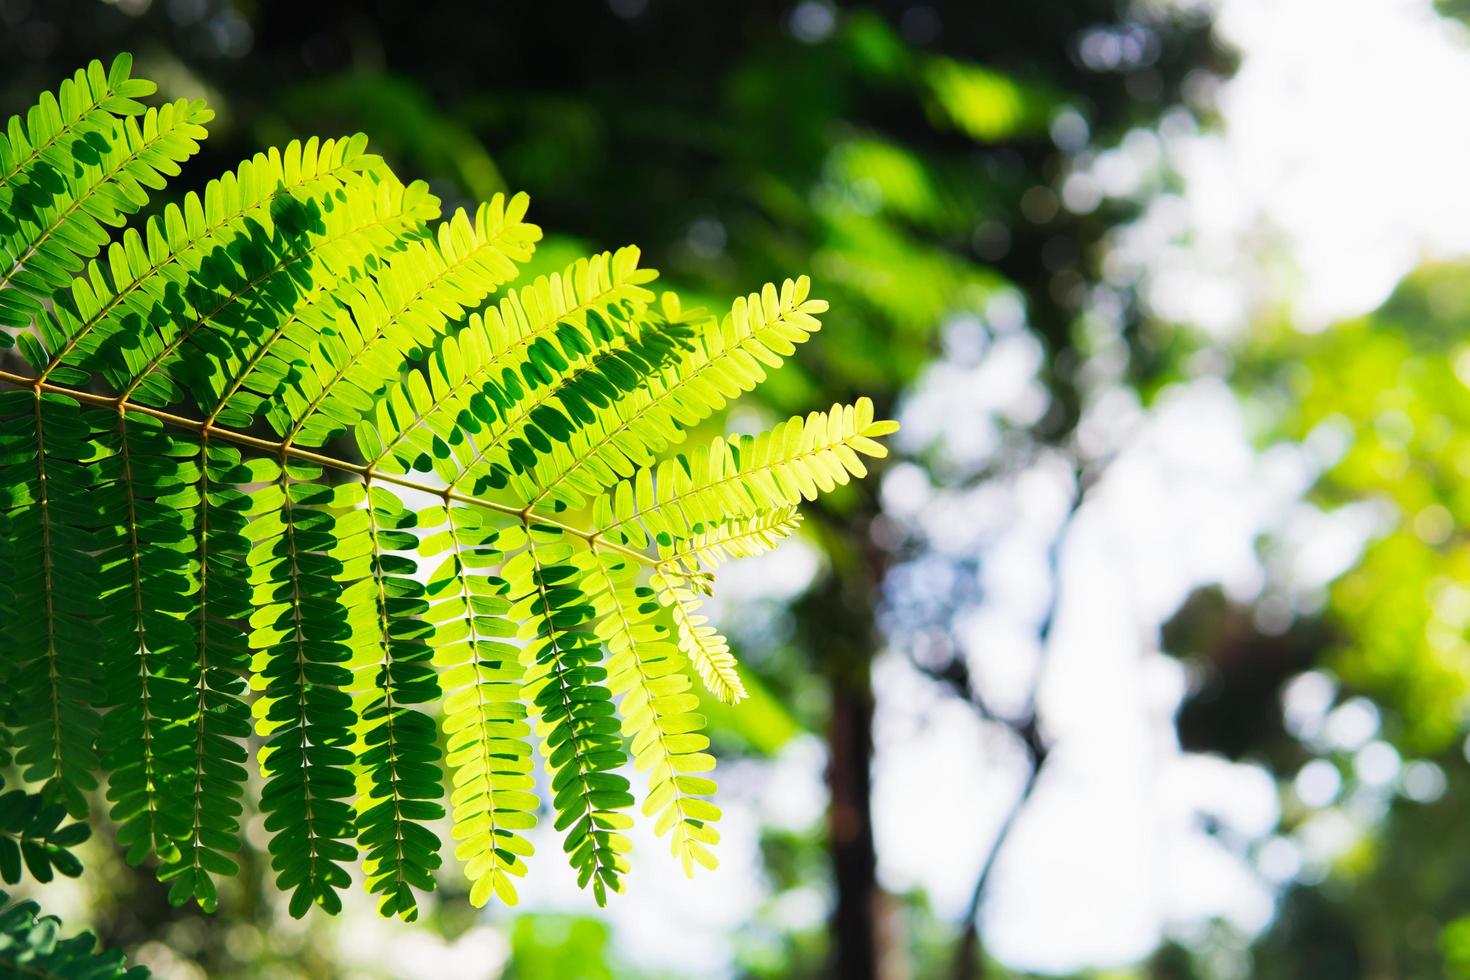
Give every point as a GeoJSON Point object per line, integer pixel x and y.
{"type": "Point", "coordinates": [51, 226]}
{"type": "Point", "coordinates": [564, 683]}
{"type": "Point", "coordinates": [727, 358]}
{"type": "Point", "coordinates": [541, 334]}
{"type": "Point", "coordinates": [743, 476]}
{"type": "Point", "coordinates": [40, 151]}
{"type": "Point", "coordinates": [646, 668]}
{"type": "Point", "coordinates": [480, 379]}
{"type": "Point", "coordinates": [307, 538]}
{"type": "Point", "coordinates": [253, 291]}
{"type": "Point", "coordinates": [706, 649]}
{"type": "Point", "coordinates": [46, 440]}
{"type": "Point", "coordinates": [484, 719]}
{"type": "Point", "coordinates": [161, 555]}
{"type": "Point", "coordinates": [219, 719]}
{"type": "Point", "coordinates": [736, 538]}
{"type": "Point", "coordinates": [400, 752]}
{"type": "Point", "coordinates": [113, 309]}
{"type": "Point", "coordinates": [90, 98]}
{"type": "Point", "coordinates": [399, 313]}
{"type": "Point", "coordinates": [143, 487]}
{"type": "Point", "coordinates": [611, 362]}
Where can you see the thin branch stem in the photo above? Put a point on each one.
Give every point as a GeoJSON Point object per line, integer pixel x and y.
{"type": "Point", "coordinates": [279, 449]}
{"type": "Point", "coordinates": [967, 963]}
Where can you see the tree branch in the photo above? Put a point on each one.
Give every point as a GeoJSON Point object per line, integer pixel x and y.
{"type": "Point", "coordinates": [968, 959]}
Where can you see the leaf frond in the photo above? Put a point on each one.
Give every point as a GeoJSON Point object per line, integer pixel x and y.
{"type": "Point", "coordinates": [500, 561]}
{"type": "Point", "coordinates": [735, 538]}
{"type": "Point", "coordinates": [647, 669]}
{"type": "Point", "coordinates": [742, 477]}
{"type": "Point", "coordinates": [728, 357]}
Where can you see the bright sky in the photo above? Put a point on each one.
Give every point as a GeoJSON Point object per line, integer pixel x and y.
{"type": "Point", "coordinates": [1344, 152]}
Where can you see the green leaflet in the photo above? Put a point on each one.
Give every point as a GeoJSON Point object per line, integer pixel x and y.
{"type": "Point", "coordinates": [401, 782]}
{"type": "Point", "coordinates": [484, 718]}
{"type": "Point", "coordinates": [659, 712]}
{"type": "Point", "coordinates": [727, 358]}
{"type": "Point", "coordinates": [189, 562]}
{"type": "Point", "coordinates": [41, 154]}
{"type": "Point", "coordinates": [33, 836]}
{"type": "Point", "coordinates": [574, 712]}
{"type": "Point", "coordinates": [731, 538]}
{"type": "Point", "coordinates": [478, 379]}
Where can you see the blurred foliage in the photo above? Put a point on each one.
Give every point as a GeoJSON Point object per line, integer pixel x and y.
{"type": "Point", "coordinates": [37, 843]}
{"type": "Point", "coordinates": [1390, 906]}
{"type": "Point", "coordinates": [1379, 404]}
{"type": "Point", "coordinates": [561, 946]}
{"type": "Point", "coordinates": [31, 945]}
{"type": "Point", "coordinates": [404, 125]}
{"type": "Point", "coordinates": [1387, 394]}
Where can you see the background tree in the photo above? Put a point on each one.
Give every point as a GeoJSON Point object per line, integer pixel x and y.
{"type": "Point", "coordinates": [1369, 747]}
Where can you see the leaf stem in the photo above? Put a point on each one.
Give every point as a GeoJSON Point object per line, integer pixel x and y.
{"type": "Point", "coordinates": [275, 448]}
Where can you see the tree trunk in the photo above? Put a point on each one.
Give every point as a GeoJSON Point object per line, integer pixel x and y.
{"type": "Point", "coordinates": [838, 626]}
{"type": "Point", "coordinates": [856, 917]}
